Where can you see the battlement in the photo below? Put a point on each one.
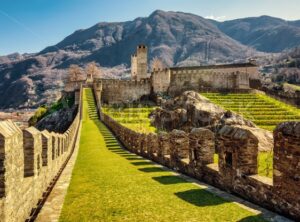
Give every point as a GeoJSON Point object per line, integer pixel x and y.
{"type": "Point", "coordinates": [116, 91]}
{"type": "Point", "coordinates": [142, 46]}
{"type": "Point", "coordinates": [156, 70]}
{"type": "Point", "coordinates": [236, 171]}
{"type": "Point", "coordinates": [29, 162]}
{"type": "Point", "coordinates": [139, 63]}
{"type": "Point", "coordinates": [126, 83]}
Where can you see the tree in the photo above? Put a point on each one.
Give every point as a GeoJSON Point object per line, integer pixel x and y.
{"type": "Point", "coordinates": [156, 63]}
{"type": "Point", "coordinates": [75, 73]}
{"type": "Point", "coordinates": [93, 70]}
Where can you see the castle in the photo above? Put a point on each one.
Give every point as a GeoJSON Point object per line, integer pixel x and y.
{"type": "Point", "coordinates": [31, 161]}
{"type": "Point", "coordinates": [174, 80]}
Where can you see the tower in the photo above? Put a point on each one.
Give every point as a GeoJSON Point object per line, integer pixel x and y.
{"type": "Point", "coordinates": [133, 66]}
{"type": "Point", "coordinates": [139, 63]}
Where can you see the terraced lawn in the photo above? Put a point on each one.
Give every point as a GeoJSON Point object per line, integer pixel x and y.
{"type": "Point", "coordinates": [135, 118]}
{"type": "Point", "coordinates": [110, 184]}
{"type": "Point", "coordinates": [263, 110]}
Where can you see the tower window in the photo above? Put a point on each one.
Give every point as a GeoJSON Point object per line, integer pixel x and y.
{"type": "Point", "coordinates": [228, 159]}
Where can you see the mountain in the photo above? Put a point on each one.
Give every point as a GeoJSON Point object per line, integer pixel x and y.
{"type": "Point", "coordinates": [175, 37]}
{"type": "Point", "coordinates": [265, 33]}
{"type": "Point", "coordinates": [178, 38]}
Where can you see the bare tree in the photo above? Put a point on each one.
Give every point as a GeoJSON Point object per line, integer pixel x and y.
{"type": "Point", "coordinates": [156, 63]}
{"type": "Point", "coordinates": [93, 70]}
{"type": "Point", "coordinates": [75, 73]}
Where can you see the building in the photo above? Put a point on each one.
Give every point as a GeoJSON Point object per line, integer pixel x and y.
{"type": "Point", "coordinates": [172, 81]}
{"type": "Point", "coordinates": [139, 63]}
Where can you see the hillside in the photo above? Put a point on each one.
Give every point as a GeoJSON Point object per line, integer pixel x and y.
{"type": "Point", "coordinates": [265, 33]}
{"type": "Point", "coordinates": [178, 38]}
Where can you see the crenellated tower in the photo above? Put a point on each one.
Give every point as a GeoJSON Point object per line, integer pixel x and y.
{"type": "Point", "coordinates": [139, 63]}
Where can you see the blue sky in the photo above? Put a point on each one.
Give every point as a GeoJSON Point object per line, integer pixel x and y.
{"type": "Point", "coordinates": [31, 25]}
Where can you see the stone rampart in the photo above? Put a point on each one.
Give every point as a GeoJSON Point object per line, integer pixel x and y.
{"type": "Point", "coordinates": [29, 162]}
{"type": "Point", "coordinates": [116, 91]}
{"type": "Point", "coordinates": [236, 171]}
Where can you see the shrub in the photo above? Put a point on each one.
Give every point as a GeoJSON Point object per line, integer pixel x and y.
{"type": "Point", "coordinates": [38, 115]}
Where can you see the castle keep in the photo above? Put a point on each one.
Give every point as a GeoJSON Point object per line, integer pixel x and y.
{"type": "Point", "coordinates": [139, 63]}
{"type": "Point", "coordinates": [174, 80]}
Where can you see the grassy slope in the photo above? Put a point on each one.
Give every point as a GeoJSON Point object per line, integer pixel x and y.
{"type": "Point", "coordinates": [263, 110]}
{"type": "Point", "coordinates": [133, 118]}
{"type": "Point", "coordinates": [292, 86]}
{"type": "Point", "coordinates": [109, 184]}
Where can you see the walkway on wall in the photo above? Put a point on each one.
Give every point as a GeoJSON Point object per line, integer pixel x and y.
{"type": "Point", "coordinates": [110, 184]}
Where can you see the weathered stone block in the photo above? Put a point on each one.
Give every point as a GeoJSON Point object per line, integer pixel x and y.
{"type": "Point", "coordinates": [202, 146]}
{"type": "Point", "coordinates": [179, 145]}
{"type": "Point", "coordinates": [164, 144]}
{"type": "Point", "coordinates": [238, 150]}
{"type": "Point", "coordinates": [32, 151]}
{"type": "Point", "coordinates": [287, 160]}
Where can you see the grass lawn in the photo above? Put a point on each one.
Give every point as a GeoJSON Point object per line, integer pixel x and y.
{"type": "Point", "coordinates": [135, 118]}
{"type": "Point", "coordinates": [110, 184]}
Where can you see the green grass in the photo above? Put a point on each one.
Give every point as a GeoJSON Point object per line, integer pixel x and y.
{"type": "Point", "coordinates": [265, 164]}
{"type": "Point", "coordinates": [110, 184]}
{"type": "Point", "coordinates": [292, 86]}
{"type": "Point", "coordinates": [262, 110]}
{"type": "Point", "coordinates": [135, 118]}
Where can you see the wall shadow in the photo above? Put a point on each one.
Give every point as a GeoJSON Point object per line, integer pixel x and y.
{"type": "Point", "coordinates": [133, 158]}
{"type": "Point", "coordinates": [152, 170]}
{"type": "Point", "coordinates": [255, 218]}
{"type": "Point", "coordinates": [200, 198]}
{"type": "Point", "coordinates": [167, 180]}
{"type": "Point", "coordinates": [142, 163]}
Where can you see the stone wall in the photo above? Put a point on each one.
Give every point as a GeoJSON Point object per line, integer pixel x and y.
{"type": "Point", "coordinates": [222, 77]}
{"type": "Point", "coordinates": [139, 63]}
{"type": "Point", "coordinates": [160, 80]}
{"type": "Point", "coordinates": [236, 171]}
{"type": "Point", "coordinates": [123, 91]}
{"type": "Point", "coordinates": [29, 161]}
{"type": "Point", "coordinates": [234, 77]}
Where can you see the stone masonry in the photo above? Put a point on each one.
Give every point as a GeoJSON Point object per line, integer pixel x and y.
{"type": "Point", "coordinates": [29, 161]}
{"type": "Point", "coordinates": [236, 172]}
{"type": "Point", "coordinates": [172, 81]}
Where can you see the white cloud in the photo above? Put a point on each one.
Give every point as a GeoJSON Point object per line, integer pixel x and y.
{"type": "Point", "coordinates": [217, 18]}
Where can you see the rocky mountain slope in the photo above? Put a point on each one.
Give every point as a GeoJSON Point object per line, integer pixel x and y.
{"type": "Point", "coordinates": [177, 38]}
{"type": "Point", "coordinates": [265, 33]}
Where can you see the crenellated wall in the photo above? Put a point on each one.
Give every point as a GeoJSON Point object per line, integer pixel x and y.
{"type": "Point", "coordinates": [160, 80]}
{"type": "Point", "coordinates": [29, 162]}
{"type": "Point", "coordinates": [236, 171]}
{"type": "Point", "coordinates": [223, 77]}
{"type": "Point", "coordinates": [116, 91]}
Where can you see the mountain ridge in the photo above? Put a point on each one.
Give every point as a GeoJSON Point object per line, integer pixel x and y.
{"type": "Point", "coordinates": [178, 38]}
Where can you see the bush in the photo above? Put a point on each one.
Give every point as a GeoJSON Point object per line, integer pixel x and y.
{"type": "Point", "coordinates": [38, 115]}
{"type": "Point", "coordinates": [43, 111]}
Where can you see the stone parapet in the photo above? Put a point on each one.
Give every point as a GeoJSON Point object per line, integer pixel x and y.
{"type": "Point", "coordinates": [192, 154]}
{"type": "Point", "coordinates": [29, 162]}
